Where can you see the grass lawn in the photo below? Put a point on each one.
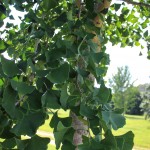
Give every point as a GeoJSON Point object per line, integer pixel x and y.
{"type": "Point", "coordinates": [51, 147]}
{"type": "Point", "coordinates": [140, 128]}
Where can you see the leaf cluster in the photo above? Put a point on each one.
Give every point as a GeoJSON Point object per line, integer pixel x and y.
{"type": "Point", "coordinates": [52, 62]}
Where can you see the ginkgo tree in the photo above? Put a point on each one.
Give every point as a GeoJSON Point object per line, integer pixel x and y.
{"type": "Point", "coordinates": [55, 55]}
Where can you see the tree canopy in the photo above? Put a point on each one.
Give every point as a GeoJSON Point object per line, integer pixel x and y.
{"type": "Point", "coordinates": [121, 80]}
{"type": "Point", "coordinates": [54, 56]}
{"type": "Point", "coordinates": [122, 88]}
{"type": "Point", "coordinates": [145, 105]}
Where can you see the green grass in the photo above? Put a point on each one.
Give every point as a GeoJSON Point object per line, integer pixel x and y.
{"type": "Point", "coordinates": [140, 128]}
{"type": "Point", "coordinates": [51, 147]}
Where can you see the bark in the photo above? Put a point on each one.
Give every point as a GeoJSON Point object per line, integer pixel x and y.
{"type": "Point", "coordinates": [78, 125]}
{"type": "Point", "coordinates": [80, 129]}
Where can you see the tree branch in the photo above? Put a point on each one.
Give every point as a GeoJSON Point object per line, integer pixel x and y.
{"type": "Point", "coordinates": [136, 3]}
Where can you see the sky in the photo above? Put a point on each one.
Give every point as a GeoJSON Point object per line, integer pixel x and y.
{"type": "Point", "coordinates": [139, 66]}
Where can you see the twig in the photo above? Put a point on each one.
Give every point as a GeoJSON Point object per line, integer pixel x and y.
{"type": "Point", "coordinates": [36, 45]}
{"type": "Point", "coordinates": [20, 100]}
{"type": "Point", "coordinates": [81, 44]}
{"type": "Point", "coordinates": [89, 129]}
{"type": "Point", "coordinates": [81, 91]}
{"type": "Point", "coordinates": [51, 111]}
{"type": "Point", "coordinates": [136, 3]}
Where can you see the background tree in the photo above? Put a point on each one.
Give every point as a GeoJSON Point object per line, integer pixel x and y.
{"type": "Point", "coordinates": [54, 56]}
{"type": "Point", "coordinates": [134, 99]}
{"type": "Point", "coordinates": [145, 105]}
{"type": "Point", "coordinates": [119, 83]}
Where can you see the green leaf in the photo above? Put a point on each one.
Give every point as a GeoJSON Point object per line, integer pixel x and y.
{"type": "Point", "coordinates": [1, 23]}
{"type": "Point", "coordinates": [131, 18]}
{"type": "Point", "coordinates": [9, 143]}
{"type": "Point", "coordinates": [94, 125]}
{"type": "Point", "coordinates": [32, 16]}
{"type": "Point", "coordinates": [110, 140]}
{"type": "Point", "coordinates": [35, 143]}
{"type": "Point", "coordinates": [38, 143]}
{"type": "Point", "coordinates": [2, 8]}
{"type": "Point", "coordinates": [87, 111]}
{"type": "Point", "coordinates": [117, 120]}
{"type": "Point", "coordinates": [125, 142]}
{"type": "Point", "coordinates": [33, 101]}
{"type": "Point", "coordinates": [49, 4]}
{"type": "Point", "coordinates": [22, 65]}
{"type": "Point", "coordinates": [22, 87]}
{"type": "Point", "coordinates": [2, 16]}
{"type": "Point", "coordinates": [60, 20]}
{"type": "Point", "coordinates": [137, 43]}
{"type": "Point", "coordinates": [55, 54]}
{"type": "Point", "coordinates": [2, 46]}
{"type": "Point", "coordinates": [21, 144]}
{"type": "Point", "coordinates": [91, 66]}
{"type": "Point", "coordinates": [67, 121]}
{"type": "Point", "coordinates": [97, 57]}
{"type": "Point", "coordinates": [9, 103]}
{"type": "Point", "coordinates": [146, 34]}
{"type": "Point", "coordinates": [67, 146]}
{"type": "Point", "coordinates": [93, 46]}
{"type": "Point", "coordinates": [64, 96]}
{"type": "Point", "coordinates": [1, 72]}
{"type": "Point", "coordinates": [100, 71]}
{"type": "Point", "coordinates": [37, 34]}
{"type": "Point", "coordinates": [69, 136]}
{"type": "Point", "coordinates": [60, 74]}
{"type": "Point", "coordinates": [59, 135]}
{"type": "Point", "coordinates": [92, 144]}
{"type": "Point", "coordinates": [9, 67]}
{"type": "Point", "coordinates": [29, 124]}
{"type": "Point", "coordinates": [117, 6]}
{"type": "Point", "coordinates": [83, 73]}
{"type": "Point", "coordinates": [50, 100]}
{"type": "Point", "coordinates": [102, 94]}
{"type": "Point", "coordinates": [30, 63]}
{"type": "Point", "coordinates": [125, 33]}
{"type": "Point", "coordinates": [90, 5]}
{"type": "Point", "coordinates": [5, 133]}
{"type": "Point", "coordinates": [102, 122]}
{"type": "Point", "coordinates": [3, 120]}
{"type": "Point", "coordinates": [42, 73]}
{"type": "Point", "coordinates": [54, 121]}
{"type": "Point", "coordinates": [69, 15]}
{"type": "Point", "coordinates": [43, 84]}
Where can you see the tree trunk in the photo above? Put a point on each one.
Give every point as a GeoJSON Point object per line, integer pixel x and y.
{"type": "Point", "coordinates": [78, 125]}
{"type": "Point", "coordinates": [80, 129]}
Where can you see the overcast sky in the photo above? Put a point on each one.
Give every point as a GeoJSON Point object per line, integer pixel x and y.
{"type": "Point", "coordinates": [139, 66]}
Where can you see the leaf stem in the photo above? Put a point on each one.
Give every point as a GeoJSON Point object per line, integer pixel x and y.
{"type": "Point", "coordinates": [136, 3]}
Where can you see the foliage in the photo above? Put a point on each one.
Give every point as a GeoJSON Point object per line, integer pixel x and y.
{"type": "Point", "coordinates": [134, 99]}
{"type": "Point", "coordinates": [145, 105]}
{"type": "Point", "coordinates": [140, 128]}
{"type": "Point", "coordinates": [121, 80]}
{"type": "Point", "coordinates": [52, 56]}
{"type": "Point", "coordinates": [125, 95]}
{"type": "Point", "coordinates": [122, 88]}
